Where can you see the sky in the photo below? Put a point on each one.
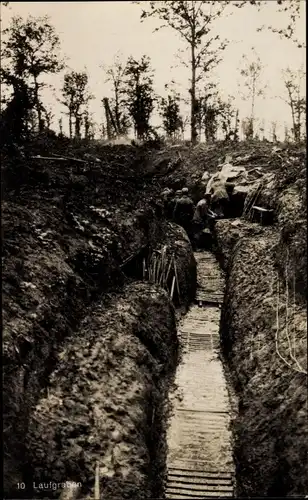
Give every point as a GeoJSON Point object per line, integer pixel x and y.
{"type": "Point", "coordinates": [92, 33]}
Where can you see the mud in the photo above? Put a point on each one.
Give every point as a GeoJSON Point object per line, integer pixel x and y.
{"type": "Point", "coordinates": [291, 255]}
{"type": "Point", "coordinates": [67, 228]}
{"type": "Point", "coordinates": [271, 428]}
{"type": "Point", "coordinates": [101, 398]}
{"type": "Point", "coordinates": [46, 293]}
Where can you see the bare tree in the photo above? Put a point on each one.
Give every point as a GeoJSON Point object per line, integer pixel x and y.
{"type": "Point", "coordinates": [60, 126]}
{"type": "Point", "coordinates": [48, 117]}
{"type": "Point", "coordinates": [228, 118]}
{"type": "Point", "coordinates": [296, 100]}
{"type": "Point", "coordinates": [116, 75]}
{"type": "Point", "coordinates": [236, 126]}
{"type": "Point", "coordinates": [194, 21]}
{"type": "Point", "coordinates": [247, 129]}
{"type": "Point", "coordinates": [251, 72]}
{"type": "Point", "coordinates": [274, 131]}
{"type": "Point", "coordinates": [262, 129]}
{"type": "Point", "coordinates": [89, 125]}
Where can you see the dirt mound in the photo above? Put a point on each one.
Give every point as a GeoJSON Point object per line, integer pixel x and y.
{"type": "Point", "coordinates": [68, 229]}
{"type": "Point", "coordinates": [283, 191]}
{"type": "Point", "coordinates": [101, 398]}
{"type": "Point", "coordinates": [228, 235]}
{"type": "Point", "coordinates": [192, 162]}
{"type": "Point", "coordinates": [264, 341]}
{"type": "Point", "coordinates": [66, 232]}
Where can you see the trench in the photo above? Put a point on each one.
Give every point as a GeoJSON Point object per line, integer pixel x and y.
{"type": "Point", "coordinates": [197, 446]}
{"type": "Point", "coordinates": [199, 461]}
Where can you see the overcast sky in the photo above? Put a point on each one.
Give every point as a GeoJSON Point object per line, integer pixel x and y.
{"type": "Point", "coordinates": [92, 33]}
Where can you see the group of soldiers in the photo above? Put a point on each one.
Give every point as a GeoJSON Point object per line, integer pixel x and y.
{"type": "Point", "coordinates": [180, 208]}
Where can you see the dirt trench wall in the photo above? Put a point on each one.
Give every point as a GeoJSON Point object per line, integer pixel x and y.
{"type": "Point", "coordinates": [271, 429]}
{"type": "Point", "coordinates": [109, 379]}
{"type": "Point", "coordinates": [48, 284]}
{"type": "Point", "coordinates": [67, 229]}
{"type": "Point", "coordinates": [291, 255]}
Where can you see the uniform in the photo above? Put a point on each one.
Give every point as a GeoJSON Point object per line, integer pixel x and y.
{"type": "Point", "coordinates": [201, 212]}
{"type": "Point", "coordinates": [166, 196]}
{"type": "Point", "coordinates": [200, 220]}
{"type": "Point", "coordinates": [219, 199]}
{"type": "Point", "coordinates": [184, 211]}
{"type": "Point", "coordinates": [172, 203]}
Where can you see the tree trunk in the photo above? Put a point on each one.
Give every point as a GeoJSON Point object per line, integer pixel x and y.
{"type": "Point", "coordinates": [117, 110]}
{"type": "Point", "coordinates": [38, 106]}
{"type": "Point", "coordinates": [298, 114]}
{"type": "Point", "coordinates": [253, 107]}
{"type": "Point", "coordinates": [77, 126]}
{"type": "Point", "coordinates": [70, 124]}
{"type": "Point", "coordinates": [293, 118]}
{"type": "Point", "coordinates": [193, 118]}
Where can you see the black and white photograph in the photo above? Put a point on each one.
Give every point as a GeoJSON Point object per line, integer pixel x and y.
{"type": "Point", "coordinates": [154, 249]}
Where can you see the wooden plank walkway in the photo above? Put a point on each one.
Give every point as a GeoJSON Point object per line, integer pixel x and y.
{"type": "Point", "coordinates": [200, 463]}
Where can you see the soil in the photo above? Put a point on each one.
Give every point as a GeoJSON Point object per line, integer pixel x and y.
{"type": "Point", "coordinates": [271, 427]}
{"type": "Point", "coordinates": [264, 334]}
{"type": "Point", "coordinates": [68, 230]}
{"type": "Point", "coordinates": [101, 398]}
{"type": "Point", "coordinates": [190, 163]}
{"type": "Point", "coordinates": [75, 233]}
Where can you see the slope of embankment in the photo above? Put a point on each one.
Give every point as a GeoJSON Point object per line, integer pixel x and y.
{"type": "Point", "coordinates": [264, 338]}
{"type": "Point", "coordinates": [73, 220]}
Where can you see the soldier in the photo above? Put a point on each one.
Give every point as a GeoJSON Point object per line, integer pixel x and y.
{"type": "Point", "coordinates": [166, 197]}
{"type": "Point", "coordinates": [172, 203]}
{"type": "Point", "coordinates": [200, 220]}
{"type": "Point", "coordinates": [184, 211]}
{"type": "Point", "coordinates": [219, 199]}
{"type": "Point", "coordinates": [201, 212]}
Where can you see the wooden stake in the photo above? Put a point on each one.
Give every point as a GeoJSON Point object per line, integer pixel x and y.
{"type": "Point", "coordinates": [172, 288]}
{"type": "Point", "coordinates": [163, 267]}
{"type": "Point", "coordinates": [168, 272]}
{"type": "Point", "coordinates": [176, 278]}
{"type": "Point", "coordinates": [150, 267]}
{"type": "Point", "coordinates": [96, 486]}
{"type": "Point", "coordinates": [154, 264]}
{"type": "Point", "coordinates": [158, 269]}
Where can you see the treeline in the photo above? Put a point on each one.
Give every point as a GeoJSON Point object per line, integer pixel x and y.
{"type": "Point", "coordinates": [31, 50]}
